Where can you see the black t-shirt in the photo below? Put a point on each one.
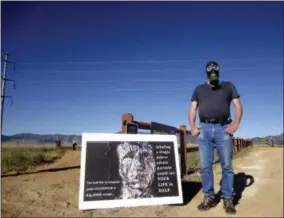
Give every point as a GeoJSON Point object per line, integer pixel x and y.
{"type": "Point", "coordinates": [214, 103]}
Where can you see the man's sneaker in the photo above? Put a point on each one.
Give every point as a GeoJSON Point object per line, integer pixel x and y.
{"type": "Point", "coordinates": [229, 206]}
{"type": "Point", "coordinates": [206, 204]}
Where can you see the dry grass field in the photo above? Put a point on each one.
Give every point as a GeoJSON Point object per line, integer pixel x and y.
{"type": "Point", "coordinates": [20, 159]}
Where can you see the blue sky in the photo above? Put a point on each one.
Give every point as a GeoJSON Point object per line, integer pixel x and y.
{"type": "Point", "coordinates": [82, 64]}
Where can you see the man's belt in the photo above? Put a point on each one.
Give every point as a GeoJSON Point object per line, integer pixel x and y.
{"type": "Point", "coordinates": [216, 121]}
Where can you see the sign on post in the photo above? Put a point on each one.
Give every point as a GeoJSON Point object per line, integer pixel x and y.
{"type": "Point", "coordinates": [162, 129]}
{"type": "Point", "coordinates": [158, 128]}
{"type": "Point", "coordinates": [128, 170]}
{"type": "Point", "coordinates": [131, 128]}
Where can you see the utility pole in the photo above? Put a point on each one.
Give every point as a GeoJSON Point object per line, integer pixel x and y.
{"type": "Point", "coordinates": [3, 84]}
{"type": "Point", "coordinates": [3, 87]}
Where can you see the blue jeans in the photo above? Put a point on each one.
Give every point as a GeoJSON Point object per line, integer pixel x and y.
{"type": "Point", "coordinates": [211, 134]}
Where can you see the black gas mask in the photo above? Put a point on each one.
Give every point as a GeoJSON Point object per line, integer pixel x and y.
{"type": "Point", "coordinates": [212, 70]}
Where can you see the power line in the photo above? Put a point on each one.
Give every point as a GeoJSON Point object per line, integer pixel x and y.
{"type": "Point", "coordinates": [149, 61]}
{"type": "Point", "coordinates": [109, 81]}
{"type": "Point", "coordinates": [243, 69]}
{"type": "Point", "coordinates": [158, 81]}
{"type": "Point", "coordinates": [95, 106]}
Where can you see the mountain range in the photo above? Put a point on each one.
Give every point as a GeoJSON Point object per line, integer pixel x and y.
{"type": "Point", "coordinates": [277, 139]}
{"type": "Point", "coordinates": [30, 138]}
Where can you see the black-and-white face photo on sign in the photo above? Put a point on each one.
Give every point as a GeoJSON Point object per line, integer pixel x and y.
{"type": "Point", "coordinates": [129, 170]}
{"type": "Point", "coordinates": [137, 168]}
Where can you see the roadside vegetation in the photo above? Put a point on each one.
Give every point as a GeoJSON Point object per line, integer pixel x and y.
{"type": "Point", "coordinates": [24, 158]}
{"type": "Point", "coordinates": [19, 159]}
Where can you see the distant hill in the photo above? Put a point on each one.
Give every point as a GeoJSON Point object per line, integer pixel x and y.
{"type": "Point", "coordinates": [277, 139]}
{"type": "Point", "coordinates": [28, 138]}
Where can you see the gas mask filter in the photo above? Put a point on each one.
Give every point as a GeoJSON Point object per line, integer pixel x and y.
{"type": "Point", "coordinates": [212, 70]}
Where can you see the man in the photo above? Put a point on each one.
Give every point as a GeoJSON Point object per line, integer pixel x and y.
{"type": "Point", "coordinates": [74, 144]}
{"type": "Point", "coordinates": [213, 100]}
{"type": "Point", "coordinates": [271, 142]}
{"type": "Point", "coordinates": [58, 143]}
{"type": "Point", "coordinates": [137, 169]}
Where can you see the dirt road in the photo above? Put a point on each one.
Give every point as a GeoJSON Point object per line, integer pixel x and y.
{"type": "Point", "coordinates": [53, 194]}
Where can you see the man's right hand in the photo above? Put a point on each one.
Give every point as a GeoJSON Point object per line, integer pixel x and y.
{"type": "Point", "coordinates": [192, 113]}
{"type": "Point", "coordinates": [195, 131]}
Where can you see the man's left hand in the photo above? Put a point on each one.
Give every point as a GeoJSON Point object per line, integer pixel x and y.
{"type": "Point", "coordinates": [231, 129]}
